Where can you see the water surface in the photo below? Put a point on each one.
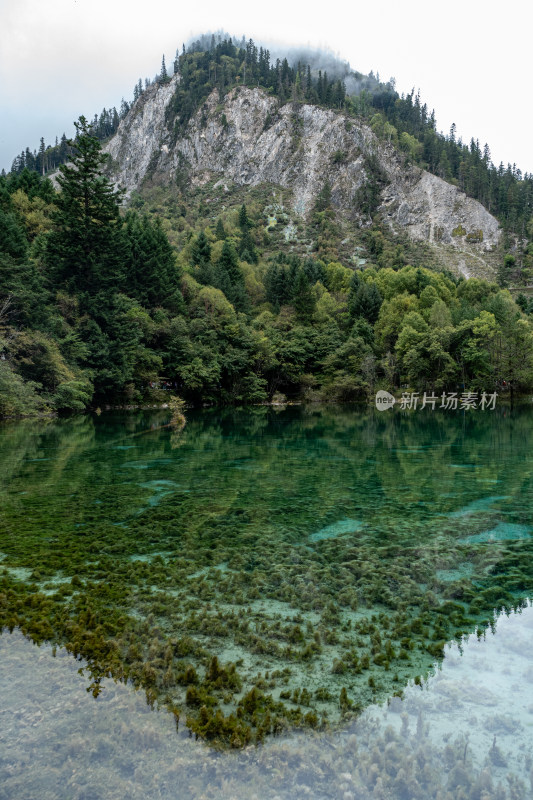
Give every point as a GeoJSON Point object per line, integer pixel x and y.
{"type": "Point", "coordinates": [264, 570]}
{"type": "Point", "coordinates": [467, 731]}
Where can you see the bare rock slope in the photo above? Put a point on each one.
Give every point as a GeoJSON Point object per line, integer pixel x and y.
{"type": "Point", "coordinates": [249, 140]}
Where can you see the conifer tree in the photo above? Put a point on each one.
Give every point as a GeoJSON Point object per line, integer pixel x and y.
{"type": "Point", "coordinates": [229, 277]}
{"type": "Point", "coordinates": [163, 76]}
{"type": "Point", "coordinates": [304, 300]}
{"type": "Point", "coordinates": [365, 301]}
{"type": "Point", "coordinates": [84, 251]}
{"type": "Point", "coordinates": [42, 157]}
{"type": "Point", "coordinates": [247, 249]}
{"type": "Point", "coordinates": [244, 221]}
{"type": "Point", "coordinates": [201, 258]}
{"type": "Point", "coordinates": [201, 250]}
{"type": "Point", "coordinates": [220, 232]}
{"type": "Point", "coordinates": [229, 264]}
{"type": "Point", "coordinates": [151, 274]}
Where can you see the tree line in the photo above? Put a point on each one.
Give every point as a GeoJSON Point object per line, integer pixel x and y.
{"type": "Point", "coordinates": [49, 157]}
{"type": "Point", "coordinates": [504, 191]}
{"type": "Point", "coordinates": [215, 62]}
{"type": "Point", "coordinates": [96, 307]}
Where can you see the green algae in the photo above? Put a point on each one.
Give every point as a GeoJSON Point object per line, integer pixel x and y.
{"type": "Point", "coordinates": [205, 558]}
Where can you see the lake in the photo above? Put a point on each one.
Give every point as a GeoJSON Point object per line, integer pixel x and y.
{"type": "Point", "coordinates": [303, 578]}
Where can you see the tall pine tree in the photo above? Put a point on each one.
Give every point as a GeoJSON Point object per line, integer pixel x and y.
{"type": "Point", "coordinates": [85, 250]}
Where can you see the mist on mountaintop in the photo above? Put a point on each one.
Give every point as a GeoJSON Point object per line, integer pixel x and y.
{"type": "Point", "coordinates": [317, 58]}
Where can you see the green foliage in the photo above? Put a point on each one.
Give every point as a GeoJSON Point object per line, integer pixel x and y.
{"type": "Point", "coordinates": [365, 301]}
{"type": "Point", "coordinates": [18, 397]}
{"type": "Point", "coordinates": [22, 292]}
{"type": "Point", "coordinates": [303, 298]}
{"type": "Point", "coordinates": [13, 242]}
{"type": "Point", "coordinates": [229, 277]}
{"type": "Point", "coordinates": [323, 199]}
{"type": "Point", "coordinates": [220, 232]}
{"type": "Point", "coordinates": [244, 221]}
{"type": "Point", "coordinates": [201, 258]}
{"type": "Point", "coordinates": [151, 274]}
{"type": "Point", "coordinates": [98, 308]}
{"type": "Point", "coordinates": [74, 395]}
{"type": "Point", "coordinates": [368, 196]}
{"type": "Point", "coordinates": [339, 157]}
{"type": "Point", "coordinates": [84, 251]}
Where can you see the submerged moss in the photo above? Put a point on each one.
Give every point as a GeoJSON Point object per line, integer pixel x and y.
{"type": "Point", "coordinates": [217, 598]}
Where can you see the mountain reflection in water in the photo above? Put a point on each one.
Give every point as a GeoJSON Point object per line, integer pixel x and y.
{"type": "Point", "coordinates": [467, 732]}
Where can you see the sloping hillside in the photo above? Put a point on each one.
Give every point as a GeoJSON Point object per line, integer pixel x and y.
{"type": "Point", "coordinates": [248, 139]}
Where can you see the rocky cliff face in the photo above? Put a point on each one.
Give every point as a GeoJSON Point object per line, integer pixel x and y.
{"type": "Point", "coordinates": [140, 137]}
{"type": "Point", "coordinates": [248, 139]}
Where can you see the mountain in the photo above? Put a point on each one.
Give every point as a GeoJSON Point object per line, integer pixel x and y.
{"type": "Point", "coordinates": [279, 239]}
{"type": "Point", "coordinates": [282, 232]}
{"type": "Point", "coordinates": [247, 139]}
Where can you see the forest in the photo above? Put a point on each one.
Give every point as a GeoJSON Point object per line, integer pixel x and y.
{"type": "Point", "coordinates": [98, 307]}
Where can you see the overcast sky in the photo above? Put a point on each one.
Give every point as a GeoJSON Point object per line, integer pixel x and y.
{"type": "Point", "coordinates": [471, 60]}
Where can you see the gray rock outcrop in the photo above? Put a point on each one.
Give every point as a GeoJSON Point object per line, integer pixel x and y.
{"type": "Point", "coordinates": [248, 139]}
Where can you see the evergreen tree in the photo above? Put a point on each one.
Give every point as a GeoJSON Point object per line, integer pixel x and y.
{"type": "Point", "coordinates": [229, 277]}
{"type": "Point", "coordinates": [228, 263]}
{"type": "Point", "coordinates": [365, 302]}
{"type": "Point", "coordinates": [151, 274]}
{"type": "Point", "coordinates": [22, 295]}
{"type": "Point", "coordinates": [163, 76]}
{"type": "Point", "coordinates": [63, 149]}
{"type": "Point", "coordinates": [304, 300]}
{"type": "Point", "coordinates": [244, 221]}
{"type": "Point", "coordinates": [220, 232]}
{"type": "Point", "coordinates": [84, 252]}
{"type": "Point", "coordinates": [12, 239]}
{"type": "Point", "coordinates": [278, 286]}
{"type": "Point", "coordinates": [201, 251]}
{"type": "Point", "coordinates": [247, 250]}
{"type": "Point", "coordinates": [201, 258]}
{"type": "Point", "coordinates": [41, 158]}
{"type": "Point", "coordinates": [323, 200]}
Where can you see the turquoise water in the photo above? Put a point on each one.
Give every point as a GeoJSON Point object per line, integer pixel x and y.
{"type": "Point", "coordinates": [265, 570]}
{"type": "Point", "coordinates": [339, 528]}
{"type": "Point", "coordinates": [467, 732]}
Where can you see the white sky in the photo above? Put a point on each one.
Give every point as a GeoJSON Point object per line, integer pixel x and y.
{"type": "Point", "coordinates": [471, 60]}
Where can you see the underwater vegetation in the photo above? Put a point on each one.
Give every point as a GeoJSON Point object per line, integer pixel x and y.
{"type": "Point", "coordinates": [263, 570]}
{"type": "Point", "coordinates": [455, 739]}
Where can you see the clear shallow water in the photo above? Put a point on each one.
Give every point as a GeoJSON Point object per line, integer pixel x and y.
{"type": "Point", "coordinates": [320, 551]}
{"type": "Point", "coordinates": [467, 730]}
